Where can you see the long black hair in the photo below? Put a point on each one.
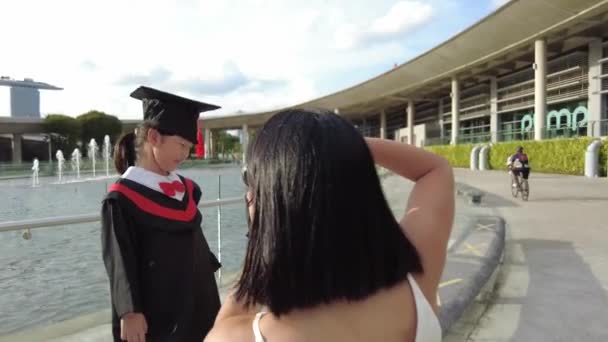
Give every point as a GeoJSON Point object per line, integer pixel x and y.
{"type": "Point", "coordinates": [322, 229]}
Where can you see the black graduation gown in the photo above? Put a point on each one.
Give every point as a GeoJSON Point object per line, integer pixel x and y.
{"type": "Point", "coordinates": [158, 261]}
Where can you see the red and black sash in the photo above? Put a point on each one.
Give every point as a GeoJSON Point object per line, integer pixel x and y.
{"type": "Point", "coordinates": [150, 207]}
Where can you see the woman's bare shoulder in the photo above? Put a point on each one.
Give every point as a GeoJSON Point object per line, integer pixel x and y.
{"type": "Point", "coordinates": [236, 328]}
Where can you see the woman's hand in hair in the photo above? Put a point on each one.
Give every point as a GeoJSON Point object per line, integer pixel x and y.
{"type": "Point", "coordinates": [429, 215]}
{"type": "Point", "coordinates": [405, 160]}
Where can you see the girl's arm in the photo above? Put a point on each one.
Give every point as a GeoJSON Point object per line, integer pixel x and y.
{"type": "Point", "coordinates": [118, 251]}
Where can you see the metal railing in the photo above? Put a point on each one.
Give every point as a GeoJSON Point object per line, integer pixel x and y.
{"type": "Point", "coordinates": [224, 275]}
{"type": "Point", "coordinates": [598, 127]}
{"type": "Point", "coordinates": [475, 138]}
{"type": "Point", "coordinates": [8, 169]}
{"type": "Point", "coordinates": [47, 222]}
{"type": "Point", "coordinates": [49, 168]}
{"type": "Point", "coordinates": [24, 169]}
{"type": "Point", "coordinates": [437, 141]}
{"type": "Point", "coordinates": [595, 128]}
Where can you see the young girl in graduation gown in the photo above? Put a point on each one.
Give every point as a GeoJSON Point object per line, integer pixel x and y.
{"type": "Point", "coordinates": [160, 268]}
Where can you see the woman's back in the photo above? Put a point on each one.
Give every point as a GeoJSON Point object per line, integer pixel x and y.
{"type": "Point", "coordinates": [376, 318]}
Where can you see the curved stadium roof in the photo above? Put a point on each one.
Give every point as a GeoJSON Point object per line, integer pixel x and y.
{"type": "Point", "coordinates": [498, 44]}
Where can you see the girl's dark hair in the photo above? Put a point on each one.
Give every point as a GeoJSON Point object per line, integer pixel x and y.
{"type": "Point", "coordinates": [322, 229]}
{"type": "Point", "coordinates": [128, 145]}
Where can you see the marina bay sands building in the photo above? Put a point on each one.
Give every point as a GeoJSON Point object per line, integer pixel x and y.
{"type": "Point", "coordinates": [25, 96]}
{"type": "Point", "coordinates": [24, 113]}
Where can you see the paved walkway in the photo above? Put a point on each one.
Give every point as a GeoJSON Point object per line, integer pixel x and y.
{"type": "Point", "coordinates": [553, 285]}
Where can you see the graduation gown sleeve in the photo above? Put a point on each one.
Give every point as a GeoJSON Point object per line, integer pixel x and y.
{"type": "Point", "coordinates": [119, 250]}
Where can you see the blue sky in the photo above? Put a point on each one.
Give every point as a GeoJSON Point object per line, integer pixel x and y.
{"type": "Point", "coordinates": [248, 55]}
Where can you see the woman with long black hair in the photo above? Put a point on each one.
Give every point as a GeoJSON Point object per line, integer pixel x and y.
{"type": "Point", "coordinates": [326, 260]}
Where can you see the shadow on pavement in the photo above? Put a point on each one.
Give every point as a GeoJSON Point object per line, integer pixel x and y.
{"type": "Point", "coordinates": [566, 199]}
{"type": "Point", "coordinates": [576, 296]}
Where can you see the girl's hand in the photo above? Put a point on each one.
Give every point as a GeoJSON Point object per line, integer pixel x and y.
{"type": "Point", "coordinates": [133, 327]}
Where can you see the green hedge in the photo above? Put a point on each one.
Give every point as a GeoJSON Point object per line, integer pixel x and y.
{"type": "Point", "coordinates": [604, 159]}
{"type": "Point", "coordinates": [458, 156]}
{"type": "Point", "coordinates": [562, 156]}
{"type": "Point", "coordinates": [565, 156]}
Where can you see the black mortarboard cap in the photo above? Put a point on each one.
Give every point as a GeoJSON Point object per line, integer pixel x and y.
{"type": "Point", "coordinates": [171, 114]}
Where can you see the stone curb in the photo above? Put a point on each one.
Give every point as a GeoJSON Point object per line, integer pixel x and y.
{"type": "Point", "coordinates": [473, 262]}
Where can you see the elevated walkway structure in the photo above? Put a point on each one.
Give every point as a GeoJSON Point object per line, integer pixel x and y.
{"type": "Point", "coordinates": [16, 128]}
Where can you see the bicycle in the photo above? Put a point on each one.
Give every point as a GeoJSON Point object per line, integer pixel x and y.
{"type": "Point", "coordinates": [522, 187]}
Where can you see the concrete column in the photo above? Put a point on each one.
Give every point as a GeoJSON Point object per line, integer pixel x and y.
{"type": "Point", "coordinates": [440, 119]}
{"type": "Point", "coordinates": [411, 111]}
{"type": "Point", "coordinates": [493, 109]}
{"type": "Point", "coordinates": [211, 145]}
{"type": "Point", "coordinates": [540, 88]}
{"type": "Point", "coordinates": [207, 138]}
{"type": "Point", "coordinates": [364, 128]}
{"type": "Point", "coordinates": [455, 110]}
{"type": "Point", "coordinates": [245, 142]}
{"type": "Point", "coordinates": [17, 154]}
{"type": "Point", "coordinates": [50, 150]}
{"type": "Point", "coordinates": [383, 125]}
{"type": "Point", "coordinates": [594, 104]}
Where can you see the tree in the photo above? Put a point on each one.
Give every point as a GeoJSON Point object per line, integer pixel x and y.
{"type": "Point", "coordinates": [227, 143]}
{"type": "Point", "coordinates": [95, 125]}
{"type": "Point", "coordinates": [64, 131]}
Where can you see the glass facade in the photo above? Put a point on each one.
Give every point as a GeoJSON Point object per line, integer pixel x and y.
{"type": "Point", "coordinates": [563, 120]}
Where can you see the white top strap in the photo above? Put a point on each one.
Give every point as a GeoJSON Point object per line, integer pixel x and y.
{"type": "Point", "coordinates": [427, 327]}
{"type": "Point", "coordinates": [256, 327]}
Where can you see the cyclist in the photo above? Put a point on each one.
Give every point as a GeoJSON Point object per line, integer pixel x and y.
{"type": "Point", "coordinates": [518, 163]}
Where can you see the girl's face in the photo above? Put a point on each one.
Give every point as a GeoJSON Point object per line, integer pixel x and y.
{"type": "Point", "coordinates": [169, 151]}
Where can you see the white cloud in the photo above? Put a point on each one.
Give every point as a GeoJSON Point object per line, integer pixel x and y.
{"type": "Point", "coordinates": [401, 18]}
{"type": "Point", "coordinates": [234, 53]}
{"type": "Point", "coordinates": [498, 3]}
{"type": "Point", "coordinates": [240, 54]}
